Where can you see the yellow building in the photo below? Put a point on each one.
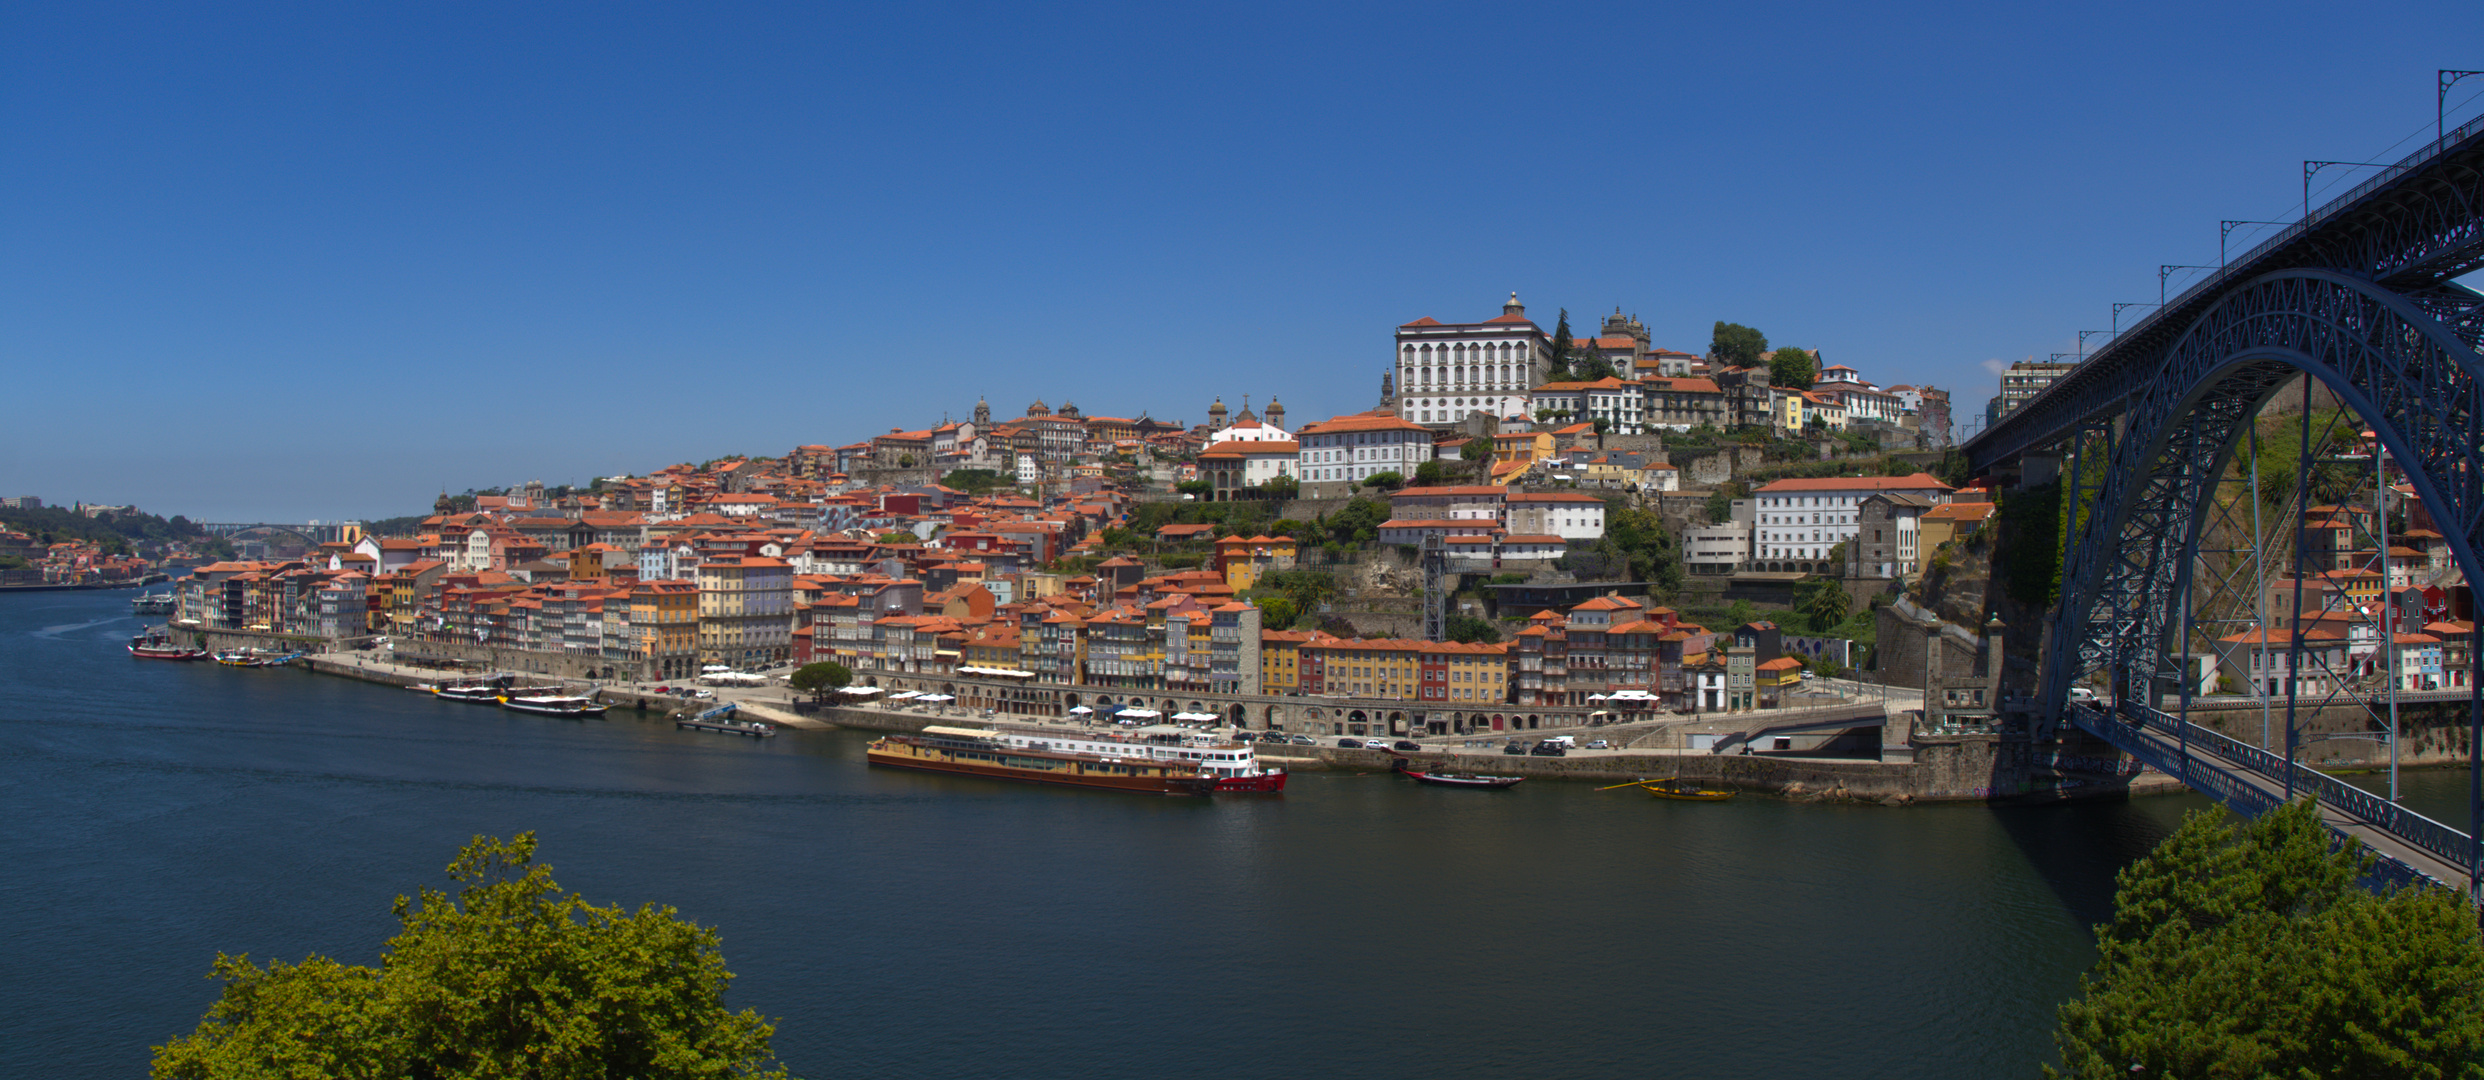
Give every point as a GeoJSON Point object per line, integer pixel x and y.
{"type": "Point", "coordinates": [1280, 661]}
{"type": "Point", "coordinates": [1523, 447]}
{"type": "Point", "coordinates": [664, 616]}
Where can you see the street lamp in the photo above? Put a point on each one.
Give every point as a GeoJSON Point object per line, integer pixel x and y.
{"type": "Point", "coordinates": [2168, 268]}
{"type": "Point", "coordinates": [2118, 308]}
{"type": "Point", "coordinates": [2440, 101]}
{"type": "Point", "coordinates": [2226, 228]}
{"type": "Point", "coordinates": [2084, 335]}
{"type": "Point", "coordinates": [2310, 167]}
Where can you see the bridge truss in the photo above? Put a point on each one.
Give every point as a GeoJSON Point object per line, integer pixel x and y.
{"type": "Point", "coordinates": [2160, 431]}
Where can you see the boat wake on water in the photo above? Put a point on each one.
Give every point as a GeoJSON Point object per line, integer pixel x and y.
{"type": "Point", "coordinates": [53, 633]}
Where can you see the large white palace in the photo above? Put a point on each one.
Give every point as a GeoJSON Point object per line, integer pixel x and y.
{"type": "Point", "coordinates": [1448, 371]}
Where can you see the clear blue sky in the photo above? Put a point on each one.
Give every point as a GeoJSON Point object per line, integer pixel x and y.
{"type": "Point", "coordinates": [276, 262]}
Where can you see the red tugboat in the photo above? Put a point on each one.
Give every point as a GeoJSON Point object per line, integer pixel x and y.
{"type": "Point", "coordinates": [155, 644]}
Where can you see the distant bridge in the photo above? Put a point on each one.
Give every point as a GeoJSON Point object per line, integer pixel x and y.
{"type": "Point", "coordinates": [315, 532]}
{"type": "Point", "coordinates": [2148, 438]}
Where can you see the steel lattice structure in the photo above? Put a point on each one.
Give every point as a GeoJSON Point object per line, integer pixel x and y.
{"type": "Point", "coordinates": [2359, 296]}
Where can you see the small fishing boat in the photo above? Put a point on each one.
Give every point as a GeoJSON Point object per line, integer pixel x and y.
{"type": "Point", "coordinates": [567, 707]}
{"type": "Point", "coordinates": [1684, 790]}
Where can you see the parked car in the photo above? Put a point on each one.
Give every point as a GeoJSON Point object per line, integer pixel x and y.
{"type": "Point", "coordinates": [1599, 744]}
{"type": "Point", "coordinates": [1409, 746]}
{"type": "Point", "coordinates": [1350, 744]}
{"type": "Point", "coordinates": [1514, 747]}
{"type": "Point", "coordinates": [1549, 748]}
{"type": "Point", "coordinates": [1302, 740]}
{"type": "Point", "coordinates": [702, 693]}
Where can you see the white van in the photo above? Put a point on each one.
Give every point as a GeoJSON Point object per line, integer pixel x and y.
{"type": "Point", "coordinates": [1566, 742]}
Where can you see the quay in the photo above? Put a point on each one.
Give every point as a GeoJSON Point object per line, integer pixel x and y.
{"type": "Point", "coordinates": [1824, 754]}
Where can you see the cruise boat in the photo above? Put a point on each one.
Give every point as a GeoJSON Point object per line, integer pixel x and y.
{"type": "Point", "coordinates": [1167, 761]}
{"type": "Point", "coordinates": [156, 604]}
{"type": "Point", "coordinates": [156, 645]}
{"type": "Point", "coordinates": [553, 705]}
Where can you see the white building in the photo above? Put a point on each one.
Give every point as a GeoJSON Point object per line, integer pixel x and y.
{"type": "Point", "coordinates": [1800, 520]}
{"type": "Point", "coordinates": [1448, 371]}
{"type": "Point", "coordinates": [1621, 405]}
{"type": "Point", "coordinates": [1566, 514]}
{"type": "Point", "coordinates": [1338, 453]}
{"type": "Point", "coordinates": [1717, 549]}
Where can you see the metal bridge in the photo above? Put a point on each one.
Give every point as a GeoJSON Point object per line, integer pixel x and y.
{"type": "Point", "coordinates": [2157, 443]}
{"type": "Point", "coordinates": [314, 532]}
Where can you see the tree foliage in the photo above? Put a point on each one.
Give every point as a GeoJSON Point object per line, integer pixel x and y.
{"type": "Point", "coordinates": [1431, 474]}
{"type": "Point", "coordinates": [1736, 344]}
{"type": "Point", "coordinates": [974, 481]}
{"type": "Point", "coordinates": [512, 977]}
{"type": "Point", "coordinates": [1472, 630]}
{"type": "Point", "coordinates": [2252, 951]}
{"type": "Point", "coordinates": [817, 679]}
{"type": "Point", "coordinates": [1791, 367]}
{"type": "Point", "coordinates": [1824, 601]}
{"type": "Point", "coordinates": [1640, 539]}
{"type": "Point", "coordinates": [1560, 369]}
{"type": "Point", "coordinates": [1385, 481]}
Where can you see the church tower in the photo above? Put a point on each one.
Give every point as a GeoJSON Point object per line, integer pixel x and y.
{"type": "Point", "coordinates": [983, 413]}
{"type": "Point", "coordinates": [1276, 414]}
{"type": "Point", "coordinates": [1388, 388]}
{"type": "Point", "coordinates": [1216, 415]}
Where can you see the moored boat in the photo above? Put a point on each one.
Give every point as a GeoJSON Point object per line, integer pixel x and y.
{"type": "Point", "coordinates": [1188, 763]}
{"type": "Point", "coordinates": [1684, 790]}
{"type": "Point", "coordinates": [1461, 780]}
{"type": "Point", "coordinates": [155, 604]}
{"type": "Point", "coordinates": [553, 705]}
{"type": "Point", "coordinates": [156, 645]}
{"type": "Point", "coordinates": [255, 658]}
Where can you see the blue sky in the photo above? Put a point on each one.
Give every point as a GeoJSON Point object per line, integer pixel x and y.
{"type": "Point", "coordinates": [275, 262]}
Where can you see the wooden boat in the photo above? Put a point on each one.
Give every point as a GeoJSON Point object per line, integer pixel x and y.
{"type": "Point", "coordinates": [1459, 780]}
{"type": "Point", "coordinates": [1684, 790]}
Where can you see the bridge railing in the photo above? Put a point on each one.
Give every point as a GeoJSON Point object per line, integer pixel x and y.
{"type": "Point", "coordinates": [2441, 841]}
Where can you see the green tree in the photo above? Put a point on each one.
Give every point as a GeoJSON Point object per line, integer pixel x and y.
{"type": "Point", "coordinates": [905, 461]}
{"type": "Point", "coordinates": [1431, 474]}
{"type": "Point", "coordinates": [1282, 487]}
{"type": "Point", "coordinates": [1639, 538]}
{"type": "Point", "coordinates": [1602, 425]}
{"type": "Point", "coordinates": [1824, 602]}
{"type": "Point", "coordinates": [817, 679]}
{"type": "Point", "coordinates": [1477, 454]}
{"type": "Point", "coordinates": [1736, 344]}
{"type": "Point", "coordinates": [1385, 481]}
{"type": "Point", "coordinates": [1358, 521]}
{"type": "Point", "coordinates": [512, 977]}
{"type": "Point", "coordinates": [1277, 612]}
{"type": "Point", "coordinates": [2252, 951]}
{"type": "Point", "coordinates": [1588, 365]}
{"type": "Point", "coordinates": [900, 537]}
{"type": "Point", "coordinates": [1560, 369]}
{"type": "Point", "coordinates": [1200, 488]}
{"type": "Point", "coordinates": [1791, 367]}
{"type": "Point", "coordinates": [973, 481]}
{"type": "Point", "coordinates": [1472, 630]}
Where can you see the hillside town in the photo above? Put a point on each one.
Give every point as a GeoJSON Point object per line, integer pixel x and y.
{"type": "Point", "coordinates": [1525, 520]}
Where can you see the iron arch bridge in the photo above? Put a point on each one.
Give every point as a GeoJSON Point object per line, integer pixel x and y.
{"type": "Point", "coordinates": [2358, 298]}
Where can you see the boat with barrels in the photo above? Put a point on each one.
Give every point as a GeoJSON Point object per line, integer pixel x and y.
{"type": "Point", "coordinates": [1168, 762]}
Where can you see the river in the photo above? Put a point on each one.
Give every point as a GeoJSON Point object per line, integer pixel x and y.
{"type": "Point", "coordinates": [903, 925]}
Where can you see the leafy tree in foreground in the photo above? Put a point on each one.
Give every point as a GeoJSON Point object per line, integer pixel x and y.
{"type": "Point", "coordinates": [2251, 952]}
{"type": "Point", "coordinates": [510, 978]}
{"type": "Point", "coordinates": [817, 679]}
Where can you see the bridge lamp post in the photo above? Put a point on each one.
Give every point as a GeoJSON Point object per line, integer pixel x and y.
{"type": "Point", "coordinates": [2085, 334]}
{"type": "Point", "coordinates": [2440, 100]}
{"type": "Point", "coordinates": [2163, 270]}
{"type": "Point", "coordinates": [2311, 167]}
{"type": "Point", "coordinates": [2226, 228]}
{"type": "Point", "coordinates": [2127, 304]}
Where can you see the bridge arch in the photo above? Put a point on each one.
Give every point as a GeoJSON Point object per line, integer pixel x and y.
{"type": "Point", "coordinates": [2413, 378]}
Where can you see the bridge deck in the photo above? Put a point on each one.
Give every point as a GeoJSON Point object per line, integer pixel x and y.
{"type": "Point", "coordinates": [2232, 774]}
